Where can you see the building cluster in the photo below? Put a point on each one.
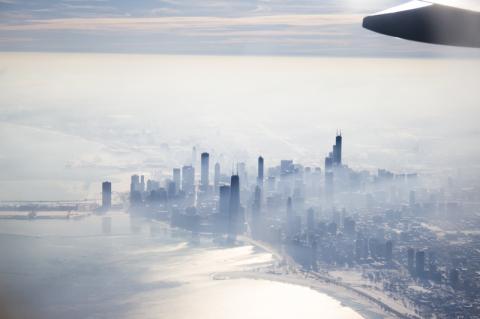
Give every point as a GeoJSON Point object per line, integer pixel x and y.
{"type": "Point", "coordinates": [389, 227]}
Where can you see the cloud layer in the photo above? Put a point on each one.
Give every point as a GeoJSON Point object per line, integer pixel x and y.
{"type": "Point", "coordinates": [266, 27]}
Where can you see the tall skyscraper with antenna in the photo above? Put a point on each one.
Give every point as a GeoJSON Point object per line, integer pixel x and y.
{"type": "Point", "coordinates": [337, 150]}
{"type": "Point", "coordinates": [334, 158]}
{"type": "Point", "coordinates": [332, 161]}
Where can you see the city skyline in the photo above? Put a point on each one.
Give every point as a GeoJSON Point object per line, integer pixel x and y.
{"type": "Point", "coordinates": [169, 103]}
{"type": "Point", "coordinates": [332, 218]}
{"type": "Point", "coordinates": [204, 180]}
{"type": "Point", "coordinates": [241, 159]}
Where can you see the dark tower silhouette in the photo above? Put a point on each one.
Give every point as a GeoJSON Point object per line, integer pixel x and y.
{"type": "Point", "coordinates": [234, 210]}
{"type": "Point", "coordinates": [338, 150]}
{"type": "Point", "coordinates": [333, 160]}
{"type": "Point", "coordinates": [224, 208]}
{"type": "Point", "coordinates": [106, 195]}
{"type": "Point", "coordinates": [260, 171]}
{"type": "Point", "coordinates": [135, 194]}
{"type": "Point", "coordinates": [204, 171]}
{"type": "Point", "coordinates": [134, 183]}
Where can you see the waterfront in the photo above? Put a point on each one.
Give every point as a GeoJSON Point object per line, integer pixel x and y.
{"type": "Point", "coordinates": [123, 267]}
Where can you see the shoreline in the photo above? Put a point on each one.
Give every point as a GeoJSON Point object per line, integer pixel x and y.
{"type": "Point", "coordinates": [369, 304]}
{"type": "Point", "coordinates": [366, 304]}
{"type": "Point", "coordinates": [345, 297]}
{"type": "Point", "coordinates": [282, 268]}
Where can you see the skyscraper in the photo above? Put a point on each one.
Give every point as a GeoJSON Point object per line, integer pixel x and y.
{"type": "Point", "coordinates": [205, 157]}
{"type": "Point", "coordinates": [223, 217]}
{"type": "Point", "coordinates": [106, 195]}
{"type": "Point", "coordinates": [337, 150]}
{"type": "Point", "coordinates": [334, 158]}
{"type": "Point", "coordinates": [256, 212]}
{"type": "Point", "coordinates": [142, 184]}
{"type": "Point", "coordinates": [224, 200]}
{"type": "Point", "coordinates": [135, 194]}
{"type": "Point", "coordinates": [134, 183]}
{"type": "Point", "coordinates": [171, 189]}
{"type": "Point", "coordinates": [234, 204]}
{"type": "Point", "coordinates": [176, 179]}
{"type": "Point", "coordinates": [188, 179]}
{"type": "Point", "coordinates": [328, 163]}
{"type": "Point", "coordinates": [216, 176]}
{"type": "Point", "coordinates": [420, 263]}
{"type": "Point", "coordinates": [260, 172]}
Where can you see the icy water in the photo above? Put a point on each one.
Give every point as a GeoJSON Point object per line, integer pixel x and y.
{"type": "Point", "coordinates": [120, 267]}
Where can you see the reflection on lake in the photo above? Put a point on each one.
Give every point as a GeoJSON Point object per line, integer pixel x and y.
{"type": "Point", "coordinates": [118, 267]}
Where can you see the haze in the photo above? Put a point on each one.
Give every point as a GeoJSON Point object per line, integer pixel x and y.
{"type": "Point", "coordinates": [70, 121]}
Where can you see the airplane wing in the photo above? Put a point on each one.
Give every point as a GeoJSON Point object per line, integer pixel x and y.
{"type": "Point", "coordinates": [430, 22]}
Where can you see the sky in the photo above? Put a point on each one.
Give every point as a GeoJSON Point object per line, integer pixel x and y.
{"type": "Point", "coordinates": [236, 27]}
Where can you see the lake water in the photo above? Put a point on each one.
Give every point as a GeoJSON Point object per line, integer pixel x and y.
{"type": "Point", "coordinates": [120, 267]}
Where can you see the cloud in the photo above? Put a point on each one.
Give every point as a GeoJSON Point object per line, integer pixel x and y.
{"type": "Point", "coordinates": [15, 39]}
{"type": "Point", "coordinates": [191, 23]}
{"type": "Point", "coordinates": [164, 11]}
{"type": "Point", "coordinates": [274, 27]}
